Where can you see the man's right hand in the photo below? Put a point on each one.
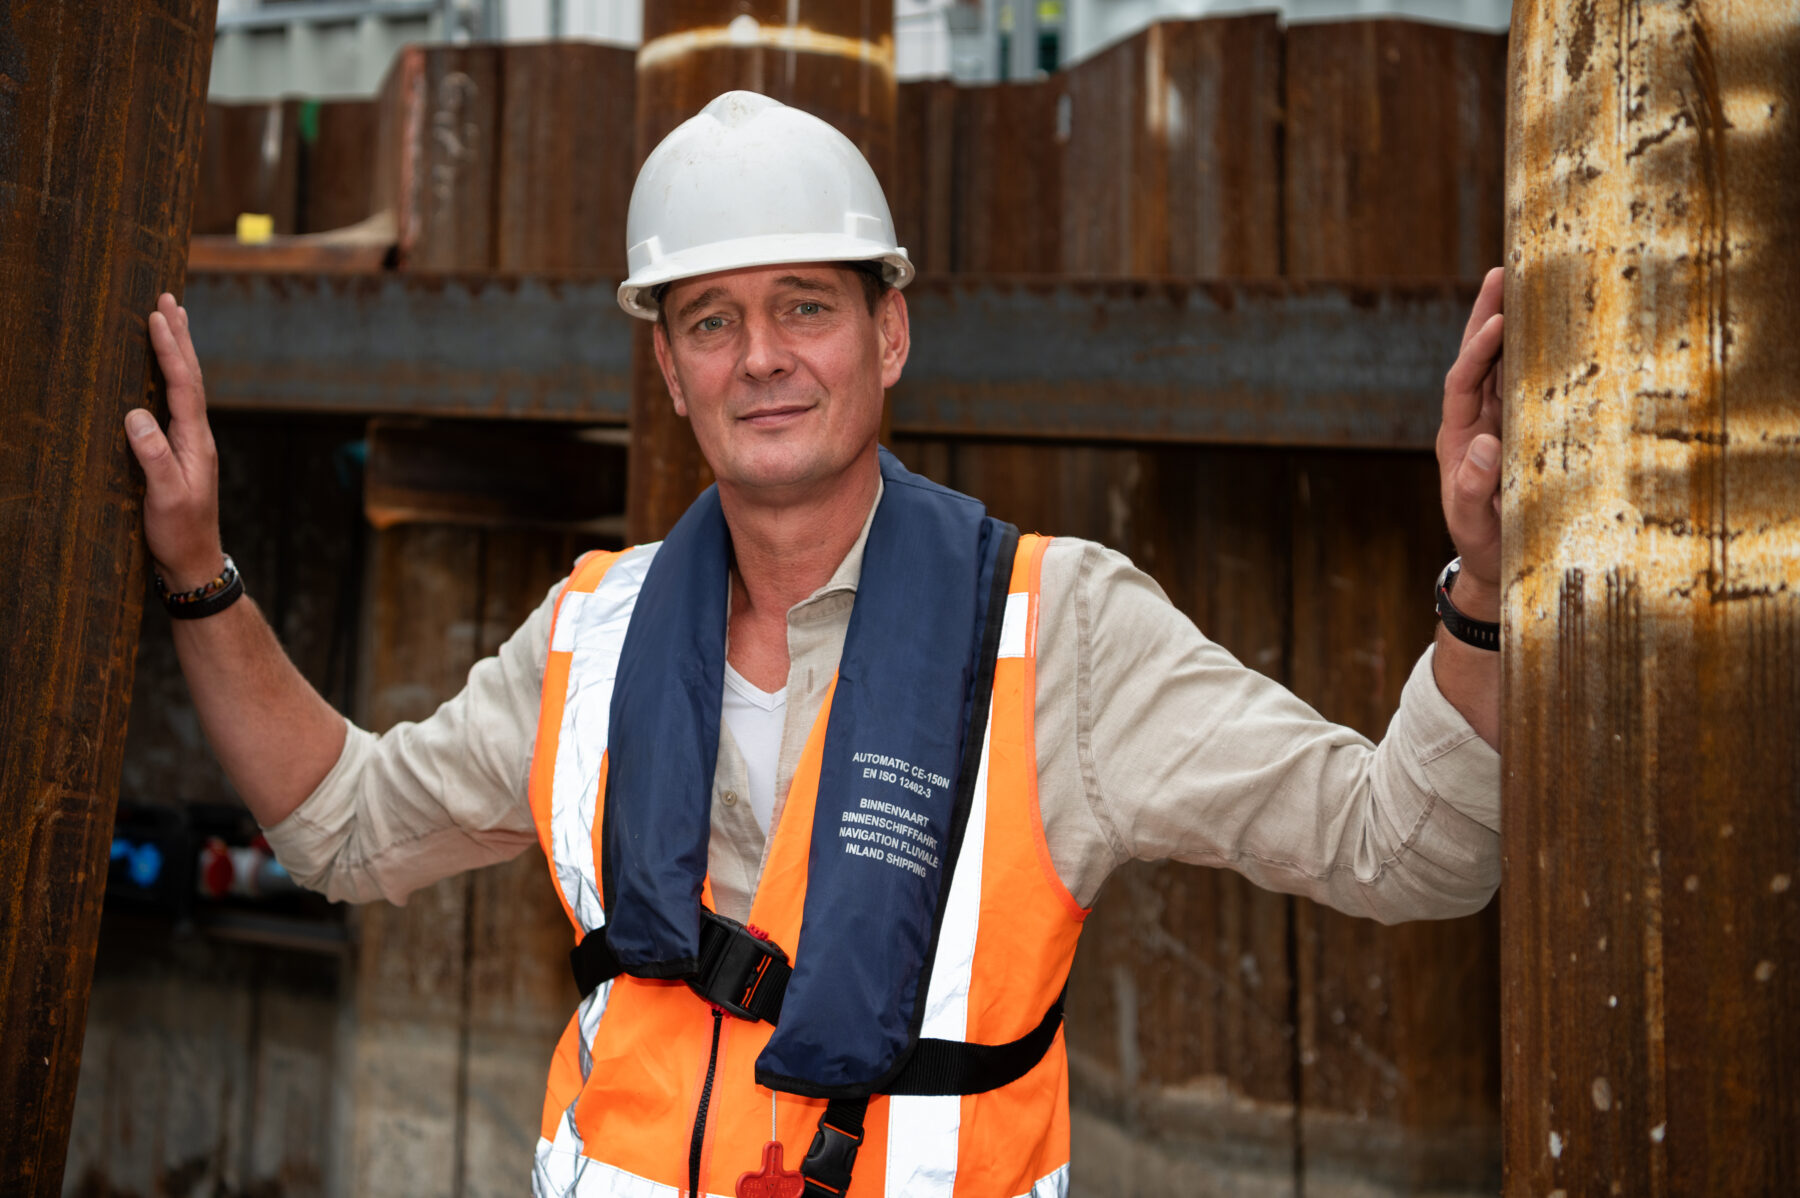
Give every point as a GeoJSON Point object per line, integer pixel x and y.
{"type": "Point", "coordinates": [181, 468]}
{"type": "Point", "coordinates": [272, 732]}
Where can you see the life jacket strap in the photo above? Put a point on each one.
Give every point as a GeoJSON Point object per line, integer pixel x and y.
{"type": "Point", "coordinates": [832, 1157]}
{"type": "Point", "coordinates": [959, 1067]}
{"type": "Point", "coordinates": [737, 970]}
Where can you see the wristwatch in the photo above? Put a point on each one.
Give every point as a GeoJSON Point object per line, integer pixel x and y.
{"type": "Point", "coordinates": [1480, 633]}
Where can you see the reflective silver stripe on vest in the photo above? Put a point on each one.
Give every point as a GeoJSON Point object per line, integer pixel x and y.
{"type": "Point", "coordinates": [1056, 1185]}
{"type": "Point", "coordinates": [923, 1131]}
{"type": "Point", "coordinates": [586, 1178]}
{"type": "Point", "coordinates": [590, 627]}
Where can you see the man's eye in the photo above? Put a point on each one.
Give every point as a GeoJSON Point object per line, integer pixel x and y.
{"type": "Point", "coordinates": [810, 308]}
{"type": "Point", "coordinates": [712, 324]}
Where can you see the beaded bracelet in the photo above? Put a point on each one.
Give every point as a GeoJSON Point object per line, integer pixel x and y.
{"type": "Point", "coordinates": [224, 590]}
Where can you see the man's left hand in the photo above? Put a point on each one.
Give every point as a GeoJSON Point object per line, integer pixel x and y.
{"type": "Point", "coordinates": [1468, 452]}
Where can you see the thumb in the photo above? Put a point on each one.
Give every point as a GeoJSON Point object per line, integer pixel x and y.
{"type": "Point", "coordinates": [162, 474]}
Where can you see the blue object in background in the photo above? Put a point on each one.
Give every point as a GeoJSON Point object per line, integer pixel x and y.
{"type": "Point", "coordinates": [144, 863]}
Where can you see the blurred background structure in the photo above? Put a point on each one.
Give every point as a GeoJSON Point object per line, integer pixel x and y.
{"type": "Point", "coordinates": [1191, 293]}
{"type": "Point", "coordinates": [340, 48]}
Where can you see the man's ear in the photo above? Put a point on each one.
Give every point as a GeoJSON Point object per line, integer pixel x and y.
{"type": "Point", "coordinates": [665, 360]}
{"type": "Point", "coordinates": [895, 333]}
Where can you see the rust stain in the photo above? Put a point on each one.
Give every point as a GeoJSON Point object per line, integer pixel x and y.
{"type": "Point", "coordinates": [1651, 499]}
{"type": "Point", "coordinates": [746, 33]}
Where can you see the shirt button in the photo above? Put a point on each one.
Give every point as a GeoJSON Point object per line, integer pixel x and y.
{"type": "Point", "coordinates": [730, 798]}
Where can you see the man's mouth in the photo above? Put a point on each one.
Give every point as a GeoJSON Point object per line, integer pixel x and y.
{"type": "Point", "coordinates": [773, 414]}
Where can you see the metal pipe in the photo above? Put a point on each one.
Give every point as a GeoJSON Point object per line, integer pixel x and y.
{"type": "Point", "coordinates": [1651, 929]}
{"type": "Point", "coordinates": [100, 114]}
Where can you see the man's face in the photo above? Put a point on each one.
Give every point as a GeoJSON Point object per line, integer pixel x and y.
{"type": "Point", "coordinates": [781, 371]}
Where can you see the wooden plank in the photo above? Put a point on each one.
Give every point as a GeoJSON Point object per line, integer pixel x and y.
{"type": "Point", "coordinates": [1172, 163]}
{"type": "Point", "coordinates": [1398, 1026]}
{"type": "Point", "coordinates": [100, 134]}
{"type": "Point", "coordinates": [566, 157]}
{"type": "Point", "coordinates": [1394, 147]}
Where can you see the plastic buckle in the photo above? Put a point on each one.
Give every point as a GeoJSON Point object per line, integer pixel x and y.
{"type": "Point", "coordinates": [832, 1158]}
{"type": "Point", "coordinates": [734, 965]}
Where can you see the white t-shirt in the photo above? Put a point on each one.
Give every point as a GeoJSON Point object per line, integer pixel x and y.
{"type": "Point", "coordinates": [755, 718]}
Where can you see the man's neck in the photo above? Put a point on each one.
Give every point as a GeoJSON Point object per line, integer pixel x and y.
{"type": "Point", "coordinates": [784, 552]}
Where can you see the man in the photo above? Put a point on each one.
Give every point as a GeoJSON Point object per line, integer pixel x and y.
{"type": "Point", "coordinates": [839, 705]}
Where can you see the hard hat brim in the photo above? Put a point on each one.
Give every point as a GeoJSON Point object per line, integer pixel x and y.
{"type": "Point", "coordinates": [636, 293]}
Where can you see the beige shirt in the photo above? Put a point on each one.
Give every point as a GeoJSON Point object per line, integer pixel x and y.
{"type": "Point", "coordinates": [1152, 742]}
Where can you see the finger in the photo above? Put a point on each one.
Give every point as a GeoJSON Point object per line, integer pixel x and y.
{"type": "Point", "coordinates": [1474, 487]}
{"type": "Point", "coordinates": [1463, 385]}
{"type": "Point", "coordinates": [162, 473]}
{"type": "Point", "coordinates": [1487, 301]}
{"type": "Point", "coordinates": [187, 405]}
{"type": "Point", "coordinates": [185, 339]}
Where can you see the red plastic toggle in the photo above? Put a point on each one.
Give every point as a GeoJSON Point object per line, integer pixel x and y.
{"type": "Point", "coordinates": [772, 1181]}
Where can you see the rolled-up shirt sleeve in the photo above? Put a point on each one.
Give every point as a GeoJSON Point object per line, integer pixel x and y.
{"type": "Point", "coordinates": [427, 799]}
{"type": "Point", "coordinates": [1183, 752]}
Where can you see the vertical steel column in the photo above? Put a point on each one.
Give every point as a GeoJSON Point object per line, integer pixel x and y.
{"type": "Point", "coordinates": [835, 59]}
{"type": "Point", "coordinates": [1651, 926]}
{"type": "Point", "coordinates": [100, 114]}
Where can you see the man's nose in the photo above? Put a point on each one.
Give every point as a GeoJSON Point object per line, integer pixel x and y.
{"type": "Point", "coordinates": [766, 355]}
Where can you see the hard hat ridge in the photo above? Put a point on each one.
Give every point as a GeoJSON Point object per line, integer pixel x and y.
{"type": "Point", "coordinates": [749, 181]}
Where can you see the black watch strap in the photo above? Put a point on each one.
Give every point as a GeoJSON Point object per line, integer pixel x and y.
{"type": "Point", "coordinates": [1480, 633]}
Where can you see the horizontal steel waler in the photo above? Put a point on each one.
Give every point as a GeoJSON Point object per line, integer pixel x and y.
{"type": "Point", "coordinates": [1354, 365]}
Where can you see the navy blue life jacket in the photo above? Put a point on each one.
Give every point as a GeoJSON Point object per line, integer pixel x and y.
{"type": "Point", "coordinates": [916, 670]}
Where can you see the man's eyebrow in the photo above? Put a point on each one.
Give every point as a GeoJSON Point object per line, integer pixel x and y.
{"type": "Point", "coordinates": [699, 301]}
{"type": "Point", "coordinates": [808, 283]}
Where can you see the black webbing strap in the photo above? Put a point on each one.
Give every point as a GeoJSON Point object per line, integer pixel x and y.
{"type": "Point", "coordinates": [956, 1067]}
{"type": "Point", "coordinates": [935, 1067]}
{"type": "Point", "coordinates": [737, 970]}
{"type": "Point", "coordinates": [832, 1157]}
{"type": "Point", "coordinates": [593, 962]}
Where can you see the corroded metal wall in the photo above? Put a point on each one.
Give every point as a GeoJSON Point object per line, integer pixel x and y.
{"type": "Point", "coordinates": [1651, 951]}
{"type": "Point", "coordinates": [100, 109]}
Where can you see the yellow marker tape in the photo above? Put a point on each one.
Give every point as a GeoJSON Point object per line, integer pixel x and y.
{"type": "Point", "coordinates": [254, 228]}
{"type": "Point", "coordinates": [747, 33]}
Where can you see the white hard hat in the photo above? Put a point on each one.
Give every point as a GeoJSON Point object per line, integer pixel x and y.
{"type": "Point", "coordinates": [752, 182]}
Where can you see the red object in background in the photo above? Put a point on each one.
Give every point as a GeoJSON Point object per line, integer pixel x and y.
{"type": "Point", "coordinates": [772, 1181]}
{"type": "Point", "coordinates": [216, 869]}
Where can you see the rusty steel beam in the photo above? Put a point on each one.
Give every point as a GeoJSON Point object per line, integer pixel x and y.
{"type": "Point", "coordinates": [1651, 925]}
{"type": "Point", "coordinates": [1271, 362]}
{"type": "Point", "coordinates": [100, 114]}
{"type": "Point", "coordinates": [833, 58]}
{"type": "Point", "coordinates": [1274, 363]}
{"type": "Point", "coordinates": [515, 346]}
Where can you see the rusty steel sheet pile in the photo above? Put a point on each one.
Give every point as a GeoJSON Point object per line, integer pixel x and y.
{"type": "Point", "coordinates": [100, 114]}
{"type": "Point", "coordinates": [1651, 928]}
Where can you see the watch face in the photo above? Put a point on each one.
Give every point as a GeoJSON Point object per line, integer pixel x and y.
{"type": "Point", "coordinates": [1447, 578]}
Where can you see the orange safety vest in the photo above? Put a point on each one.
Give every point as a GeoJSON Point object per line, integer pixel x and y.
{"type": "Point", "coordinates": [625, 1087]}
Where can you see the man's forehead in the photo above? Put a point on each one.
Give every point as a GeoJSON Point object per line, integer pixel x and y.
{"type": "Point", "coordinates": [753, 280]}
